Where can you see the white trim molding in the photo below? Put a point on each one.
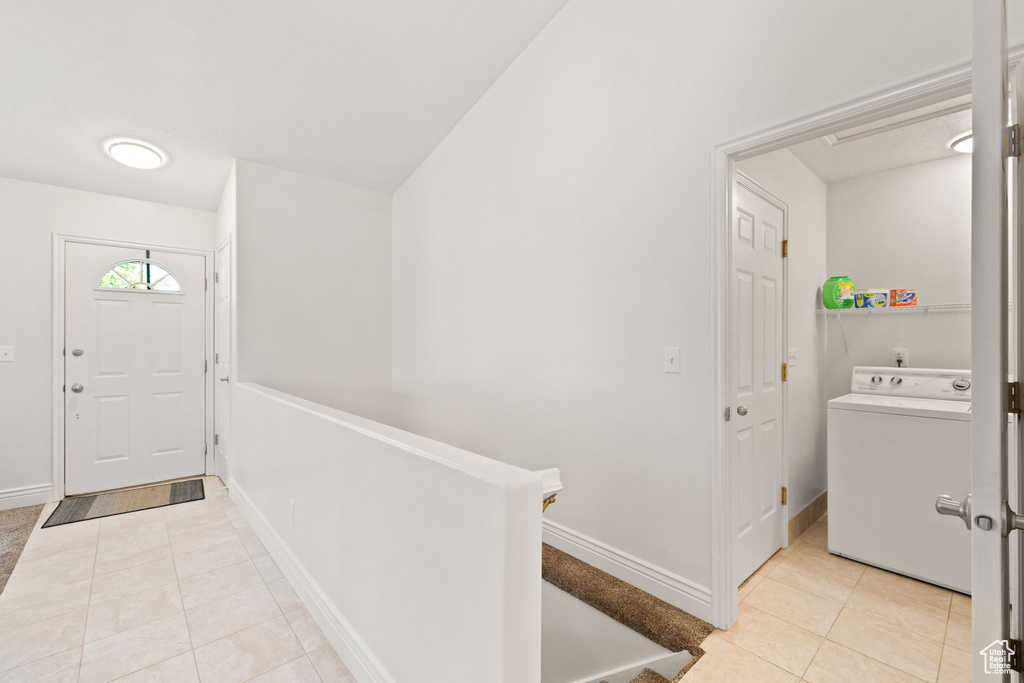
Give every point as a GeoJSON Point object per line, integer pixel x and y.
{"type": "Point", "coordinates": [350, 647]}
{"type": "Point", "coordinates": [25, 496]}
{"type": "Point", "coordinates": [672, 588]}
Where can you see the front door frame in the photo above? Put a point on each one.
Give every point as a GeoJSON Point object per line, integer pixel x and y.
{"type": "Point", "coordinates": [59, 259]}
{"type": "Point", "coordinates": [904, 96]}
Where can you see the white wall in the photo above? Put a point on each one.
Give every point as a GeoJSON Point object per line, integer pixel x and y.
{"type": "Point", "coordinates": [905, 228]}
{"type": "Point", "coordinates": [805, 195]}
{"type": "Point", "coordinates": [420, 561]}
{"type": "Point", "coordinates": [314, 276]}
{"type": "Point", "coordinates": [558, 239]}
{"type": "Point", "coordinates": [29, 215]}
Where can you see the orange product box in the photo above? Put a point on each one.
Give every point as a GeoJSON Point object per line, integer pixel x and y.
{"type": "Point", "coordinates": [903, 297]}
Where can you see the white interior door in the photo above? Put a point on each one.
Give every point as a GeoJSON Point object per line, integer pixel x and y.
{"type": "Point", "coordinates": [990, 517]}
{"type": "Point", "coordinates": [756, 330]}
{"type": "Point", "coordinates": [222, 361]}
{"type": "Point", "coordinates": [135, 404]}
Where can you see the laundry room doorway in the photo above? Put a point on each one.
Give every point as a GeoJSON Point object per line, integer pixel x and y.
{"type": "Point", "coordinates": [871, 189]}
{"type": "Point", "coordinates": [885, 197]}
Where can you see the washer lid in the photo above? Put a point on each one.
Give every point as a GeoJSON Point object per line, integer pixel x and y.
{"type": "Point", "coordinates": [896, 405]}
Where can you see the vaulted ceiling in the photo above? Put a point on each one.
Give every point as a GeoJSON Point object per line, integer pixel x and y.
{"type": "Point", "coordinates": [354, 91]}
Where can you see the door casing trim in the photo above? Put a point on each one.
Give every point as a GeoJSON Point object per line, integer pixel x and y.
{"type": "Point", "coordinates": [223, 469]}
{"type": "Point", "coordinates": [929, 88]}
{"type": "Point", "coordinates": [60, 241]}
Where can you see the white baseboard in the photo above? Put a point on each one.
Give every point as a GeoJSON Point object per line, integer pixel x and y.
{"type": "Point", "coordinates": [26, 496]}
{"type": "Point", "coordinates": [672, 588]}
{"type": "Point", "coordinates": [347, 643]}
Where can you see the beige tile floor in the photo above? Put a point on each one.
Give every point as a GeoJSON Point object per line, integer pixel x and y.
{"type": "Point", "coordinates": [180, 593]}
{"type": "Point", "coordinates": [810, 616]}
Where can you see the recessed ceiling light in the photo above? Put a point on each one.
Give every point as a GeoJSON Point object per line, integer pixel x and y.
{"type": "Point", "coordinates": [963, 143]}
{"type": "Point", "coordinates": [136, 154]}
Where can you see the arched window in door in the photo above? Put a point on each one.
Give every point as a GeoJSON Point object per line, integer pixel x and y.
{"type": "Point", "coordinates": [140, 275]}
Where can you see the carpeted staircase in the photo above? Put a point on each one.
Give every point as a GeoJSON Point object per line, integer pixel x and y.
{"type": "Point", "coordinates": [648, 676]}
{"type": "Point", "coordinates": [655, 619]}
{"type": "Point", "coordinates": [15, 527]}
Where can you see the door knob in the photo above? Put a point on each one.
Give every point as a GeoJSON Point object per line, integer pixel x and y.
{"type": "Point", "coordinates": [77, 352]}
{"type": "Point", "coordinates": [224, 379]}
{"type": "Point", "coordinates": [77, 388]}
{"type": "Point", "coordinates": [741, 411]}
{"type": "Point", "coordinates": [947, 505]}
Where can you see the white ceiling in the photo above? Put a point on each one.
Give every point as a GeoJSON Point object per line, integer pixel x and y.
{"type": "Point", "coordinates": [913, 138]}
{"type": "Point", "coordinates": [354, 91]}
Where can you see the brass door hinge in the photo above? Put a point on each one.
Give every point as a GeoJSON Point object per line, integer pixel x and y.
{"type": "Point", "coordinates": [785, 497]}
{"type": "Point", "coordinates": [784, 373]}
{"type": "Point", "coordinates": [785, 248]}
{"type": "Point", "coordinates": [1013, 398]}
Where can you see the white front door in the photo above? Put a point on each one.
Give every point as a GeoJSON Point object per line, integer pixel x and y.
{"type": "Point", "coordinates": [222, 361]}
{"type": "Point", "coordinates": [135, 404]}
{"type": "Point", "coordinates": [759, 223]}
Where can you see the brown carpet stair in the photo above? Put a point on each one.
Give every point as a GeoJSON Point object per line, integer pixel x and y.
{"type": "Point", "coordinates": [15, 527]}
{"type": "Point", "coordinates": [651, 617]}
{"type": "Point", "coordinates": [648, 676]}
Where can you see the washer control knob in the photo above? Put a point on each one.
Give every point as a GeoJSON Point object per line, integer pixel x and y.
{"type": "Point", "coordinates": [877, 379]}
{"type": "Point", "coordinates": [961, 384]}
{"type": "Point", "coordinates": [896, 380]}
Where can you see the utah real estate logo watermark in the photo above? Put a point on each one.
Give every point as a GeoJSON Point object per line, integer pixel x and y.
{"type": "Point", "coordinates": [998, 657]}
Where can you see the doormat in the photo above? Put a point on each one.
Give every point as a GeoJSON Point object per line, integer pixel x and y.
{"type": "Point", "coordinates": [15, 527]}
{"type": "Point", "coordinates": [119, 502]}
{"type": "Point", "coordinates": [654, 619]}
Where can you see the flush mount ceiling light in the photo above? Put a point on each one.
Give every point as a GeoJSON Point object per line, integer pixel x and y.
{"type": "Point", "coordinates": [963, 143]}
{"type": "Point", "coordinates": [135, 153]}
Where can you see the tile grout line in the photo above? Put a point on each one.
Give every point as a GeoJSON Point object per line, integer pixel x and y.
{"type": "Point", "coordinates": [863, 654]}
{"type": "Point", "coordinates": [279, 609]}
{"type": "Point", "coordinates": [134, 592]}
{"type": "Point", "coordinates": [265, 585]}
{"type": "Point", "coordinates": [845, 605]}
{"type": "Point", "coordinates": [5, 671]}
{"type": "Point", "coordinates": [184, 614]}
{"type": "Point", "coordinates": [151, 622]}
{"type": "Point", "coordinates": [221, 597]}
{"type": "Point", "coordinates": [88, 605]}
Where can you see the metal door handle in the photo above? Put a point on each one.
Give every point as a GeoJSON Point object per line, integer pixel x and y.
{"type": "Point", "coordinates": [947, 505]}
{"type": "Point", "coordinates": [77, 388]}
{"type": "Point", "coordinates": [741, 411]}
{"type": "Point", "coordinates": [224, 379]}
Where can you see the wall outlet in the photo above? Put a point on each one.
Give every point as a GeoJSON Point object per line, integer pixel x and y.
{"type": "Point", "coordinates": [672, 359]}
{"type": "Point", "coordinates": [291, 511]}
{"type": "Point", "coordinates": [900, 357]}
{"type": "Point", "coordinates": [6, 354]}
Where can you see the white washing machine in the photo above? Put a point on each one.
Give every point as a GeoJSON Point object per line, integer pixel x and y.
{"type": "Point", "coordinates": [899, 440]}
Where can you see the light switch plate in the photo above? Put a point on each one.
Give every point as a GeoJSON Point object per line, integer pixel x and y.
{"type": "Point", "coordinates": [791, 358]}
{"type": "Point", "coordinates": [6, 354]}
{"type": "Point", "coordinates": [672, 359]}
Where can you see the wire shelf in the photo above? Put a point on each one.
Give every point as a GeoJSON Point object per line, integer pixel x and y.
{"type": "Point", "coordinates": [894, 309]}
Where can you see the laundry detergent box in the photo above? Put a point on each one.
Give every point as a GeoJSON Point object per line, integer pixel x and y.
{"type": "Point", "coordinates": [870, 298]}
{"type": "Point", "coordinates": [903, 297]}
